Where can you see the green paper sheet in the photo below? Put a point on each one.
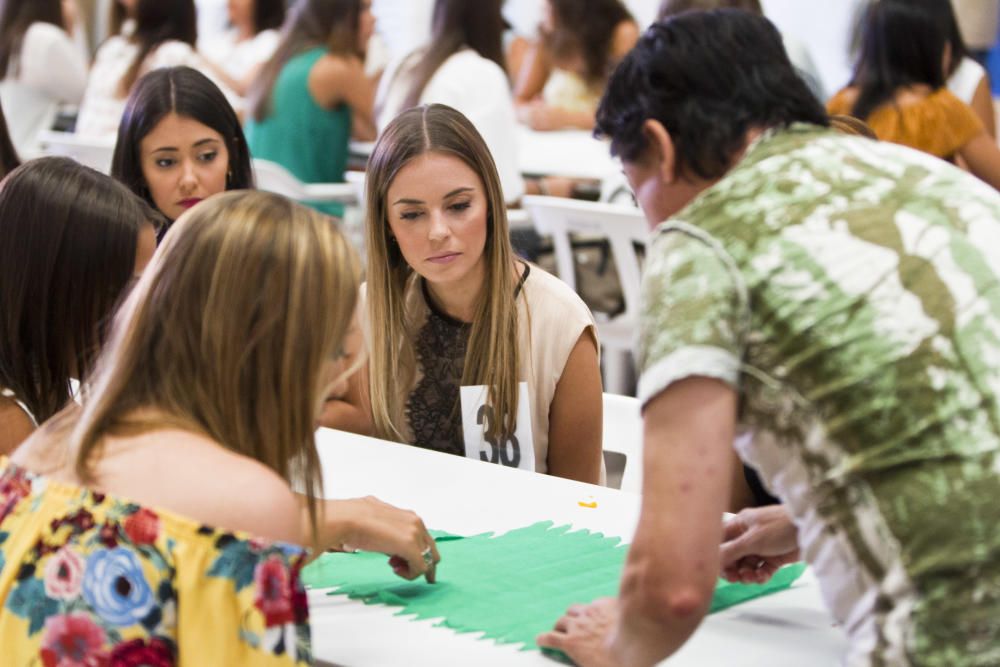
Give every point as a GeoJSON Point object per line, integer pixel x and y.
{"type": "Point", "coordinates": [510, 587]}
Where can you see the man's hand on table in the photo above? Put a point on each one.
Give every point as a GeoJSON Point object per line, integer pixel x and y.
{"type": "Point", "coordinates": [584, 633]}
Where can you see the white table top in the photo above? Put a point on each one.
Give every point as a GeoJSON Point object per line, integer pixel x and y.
{"type": "Point", "coordinates": [570, 153]}
{"type": "Point", "coordinates": [463, 496]}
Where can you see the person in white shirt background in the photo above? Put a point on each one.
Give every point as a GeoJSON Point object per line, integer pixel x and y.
{"type": "Point", "coordinates": [462, 66]}
{"type": "Point", "coordinates": [165, 35]}
{"type": "Point", "coordinates": [41, 66]}
{"type": "Point", "coordinates": [237, 54]}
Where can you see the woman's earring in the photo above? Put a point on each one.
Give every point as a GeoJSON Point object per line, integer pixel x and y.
{"type": "Point", "coordinates": [229, 178]}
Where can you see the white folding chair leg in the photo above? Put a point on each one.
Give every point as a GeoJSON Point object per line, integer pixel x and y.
{"type": "Point", "coordinates": [616, 371]}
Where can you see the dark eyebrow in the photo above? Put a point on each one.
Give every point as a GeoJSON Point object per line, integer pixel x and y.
{"type": "Point", "coordinates": [206, 140]}
{"type": "Point", "coordinates": [456, 191]}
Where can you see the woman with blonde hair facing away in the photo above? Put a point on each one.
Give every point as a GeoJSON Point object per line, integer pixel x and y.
{"type": "Point", "coordinates": [899, 89]}
{"type": "Point", "coordinates": [313, 95]}
{"type": "Point", "coordinates": [157, 522]}
{"type": "Point", "coordinates": [473, 351]}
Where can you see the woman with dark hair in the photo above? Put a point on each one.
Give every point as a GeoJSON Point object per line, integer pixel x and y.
{"type": "Point", "coordinates": [40, 66]}
{"type": "Point", "coordinates": [8, 154]}
{"type": "Point", "coordinates": [562, 77]}
{"type": "Point", "coordinates": [462, 67]}
{"type": "Point", "coordinates": [164, 36]}
{"type": "Point", "coordinates": [179, 142]}
{"type": "Point", "coordinates": [313, 95]}
{"type": "Point", "coordinates": [71, 241]}
{"type": "Point", "coordinates": [899, 88]}
{"type": "Point", "coordinates": [254, 31]}
{"type": "Point", "coordinates": [835, 297]}
{"type": "Point", "coordinates": [966, 78]}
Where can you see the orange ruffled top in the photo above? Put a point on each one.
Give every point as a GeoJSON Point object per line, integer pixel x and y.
{"type": "Point", "coordinates": [939, 124]}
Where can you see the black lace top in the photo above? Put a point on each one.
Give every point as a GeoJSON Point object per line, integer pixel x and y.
{"type": "Point", "coordinates": [433, 408]}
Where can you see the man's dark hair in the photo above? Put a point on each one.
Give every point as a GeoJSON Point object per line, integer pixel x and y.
{"type": "Point", "coordinates": [708, 77]}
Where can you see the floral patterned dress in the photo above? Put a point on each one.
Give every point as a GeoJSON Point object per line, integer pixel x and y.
{"type": "Point", "coordinates": [88, 580]}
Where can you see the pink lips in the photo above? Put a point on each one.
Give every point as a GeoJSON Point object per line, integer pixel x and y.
{"type": "Point", "coordinates": [446, 258]}
{"type": "Point", "coordinates": [188, 203]}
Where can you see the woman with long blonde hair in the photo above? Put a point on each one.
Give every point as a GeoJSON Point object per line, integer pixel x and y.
{"type": "Point", "coordinates": [473, 351]}
{"type": "Point", "coordinates": [159, 516]}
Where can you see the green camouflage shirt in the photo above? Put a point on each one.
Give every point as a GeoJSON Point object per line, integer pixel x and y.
{"type": "Point", "coordinates": [848, 289]}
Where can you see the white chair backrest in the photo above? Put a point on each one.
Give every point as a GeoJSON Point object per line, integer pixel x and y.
{"type": "Point", "coordinates": [623, 434]}
{"type": "Point", "coordinates": [623, 226]}
{"type": "Point", "coordinates": [93, 152]}
{"type": "Point", "coordinates": [28, 113]}
{"type": "Point", "coordinates": [357, 179]}
{"type": "Point", "coordinates": [273, 177]}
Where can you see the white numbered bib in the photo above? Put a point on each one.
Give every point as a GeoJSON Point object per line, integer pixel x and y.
{"type": "Point", "coordinates": [515, 450]}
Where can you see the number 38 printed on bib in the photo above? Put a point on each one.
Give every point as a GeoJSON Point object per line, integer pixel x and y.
{"type": "Point", "coordinates": [514, 450]}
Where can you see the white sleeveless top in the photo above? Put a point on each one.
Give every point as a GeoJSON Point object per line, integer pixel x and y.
{"type": "Point", "coordinates": [551, 319]}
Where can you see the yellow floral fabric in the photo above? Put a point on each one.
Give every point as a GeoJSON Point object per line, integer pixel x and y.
{"type": "Point", "coordinates": [89, 579]}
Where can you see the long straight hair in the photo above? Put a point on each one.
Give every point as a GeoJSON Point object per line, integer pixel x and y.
{"type": "Point", "coordinates": [228, 332]}
{"type": "Point", "coordinates": [310, 23]}
{"type": "Point", "coordinates": [587, 29]}
{"type": "Point", "coordinates": [16, 16]}
{"type": "Point", "coordinates": [901, 44]}
{"type": "Point", "coordinates": [68, 237]}
{"type": "Point", "coordinates": [9, 161]}
{"type": "Point", "coordinates": [491, 355]}
{"type": "Point", "coordinates": [458, 24]}
{"type": "Point", "coordinates": [187, 93]}
{"type": "Point", "coordinates": [156, 22]}
{"type": "Point", "coordinates": [268, 15]}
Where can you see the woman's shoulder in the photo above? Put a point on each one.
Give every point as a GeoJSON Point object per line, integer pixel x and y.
{"type": "Point", "coordinates": [76, 548]}
{"type": "Point", "coordinates": [16, 424]}
{"type": "Point", "coordinates": [624, 39]}
{"type": "Point", "coordinates": [195, 476]}
{"type": "Point", "coordinates": [179, 471]}
{"type": "Point", "coordinates": [113, 47]}
{"type": "Point", "coordinates": [41, 34]}
{"type": "Point", "coordinates": [467, 76]}
{"type": "Point", "coordinates": [551, 299]}
{"type": "Point", "coordinates": [468, 60]}
{"type": "Point", "coordinates": [843, 101]}
{"type": "Point", "coordinates": [172, 52]}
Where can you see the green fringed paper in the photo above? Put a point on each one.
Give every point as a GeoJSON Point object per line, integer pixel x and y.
{"type": "Point", "coordinates": [511, 587]}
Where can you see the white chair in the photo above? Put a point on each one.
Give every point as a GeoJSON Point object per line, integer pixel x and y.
{"type": "Point", "coordinates": [272, 177]}
{"type": "Point", "coordinates": [357, 179]}
{"type": "Point", "coordinates": [624, 227]}
{"type": "Point", "coordinates": [93, 152]}
{"type": "Point", "coordinates": [623, 435]}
